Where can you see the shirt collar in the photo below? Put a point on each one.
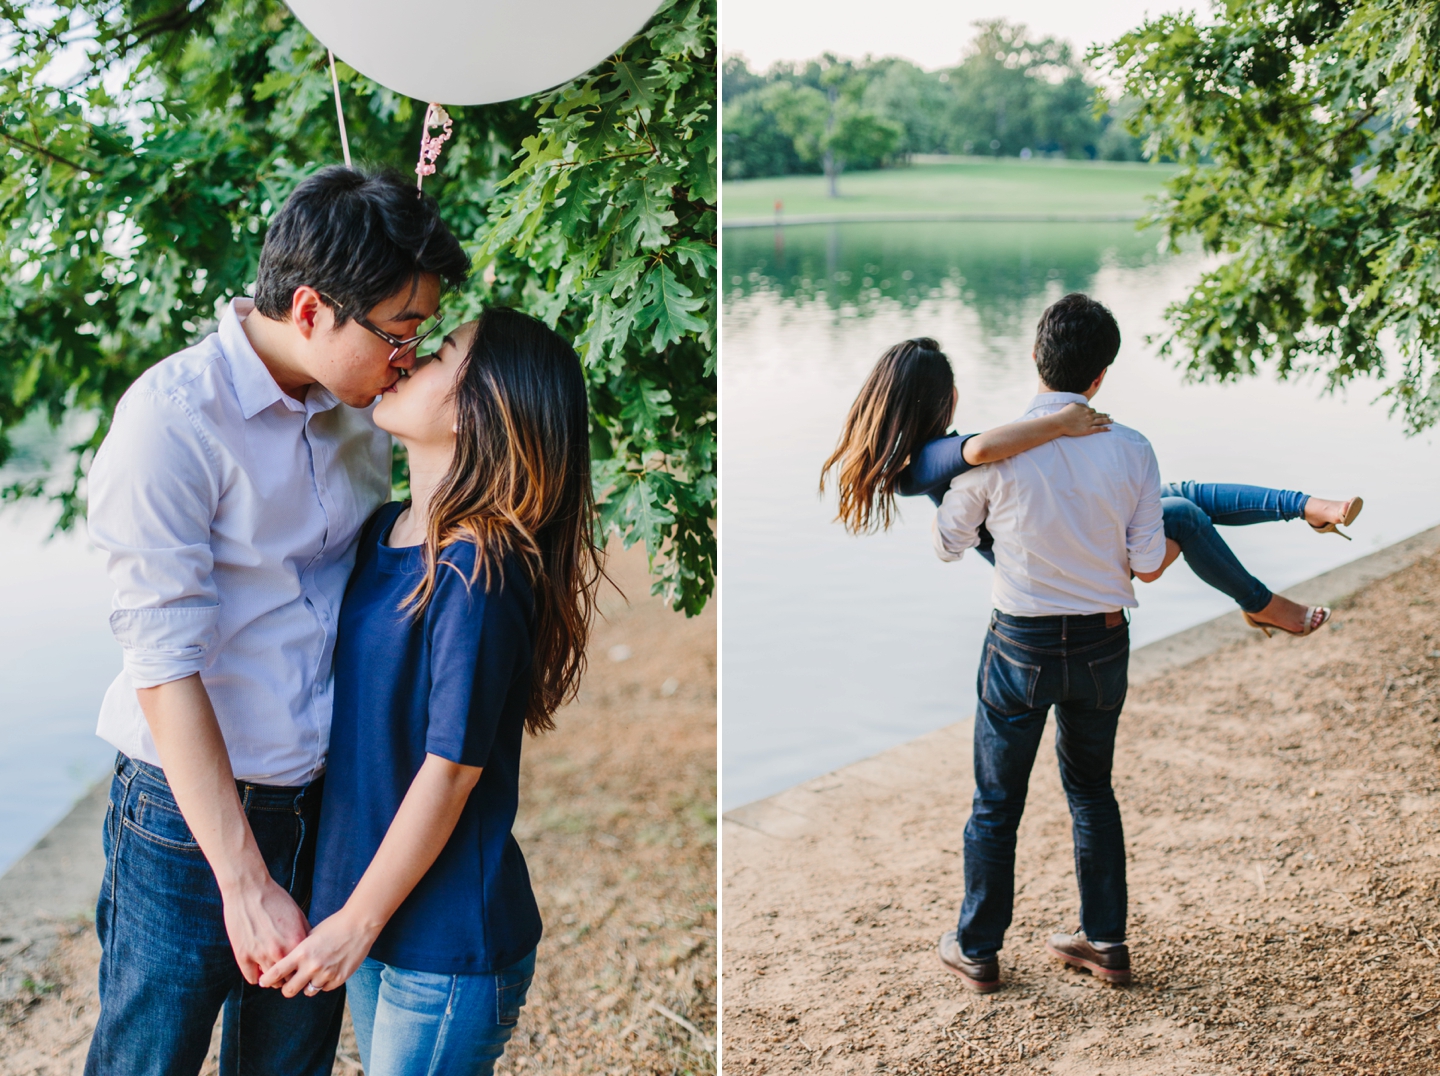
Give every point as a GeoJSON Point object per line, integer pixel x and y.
{"type": "Point", "coordinates": [1047, 402]}
{"type": "Point", "coordinates": [254, 385]}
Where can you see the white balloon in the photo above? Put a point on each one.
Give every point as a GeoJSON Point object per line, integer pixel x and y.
{"type": "Point", "coordinates": [472, 52]}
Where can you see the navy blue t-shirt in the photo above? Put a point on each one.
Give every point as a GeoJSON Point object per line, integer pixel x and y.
{"type": "Point", "coordinates": [930, 472]}
{"type": "Point", "coordinates": [452, 682]}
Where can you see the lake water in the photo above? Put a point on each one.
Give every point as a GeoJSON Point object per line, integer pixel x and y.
{"type": "Point", "coordinates": [837, 647]}
{"type": "Point", "coordinates": [57, 657]}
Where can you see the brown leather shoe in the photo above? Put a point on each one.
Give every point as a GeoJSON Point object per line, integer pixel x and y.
{"type": "Point", "coordinates": [981, 976]}
{"type": "Point", "coordinates": [1112, 964]}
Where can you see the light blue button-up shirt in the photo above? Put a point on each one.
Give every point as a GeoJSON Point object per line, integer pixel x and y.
{"type": "Point", "coordinates": [230, 513]}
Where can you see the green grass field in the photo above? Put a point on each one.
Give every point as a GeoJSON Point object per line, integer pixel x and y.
{"type": "Point", "coordinates": [978, 185]}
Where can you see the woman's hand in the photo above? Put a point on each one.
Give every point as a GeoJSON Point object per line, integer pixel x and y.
{"type": "Point", "coordinates": [324, 960]}
{"type": "Point", "coordinates": [1077, 420]}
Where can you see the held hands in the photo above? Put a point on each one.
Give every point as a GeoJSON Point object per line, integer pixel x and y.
{"type": "Point", "coordinates": [263, 923]}
{"type": "Point", "coordinates": [1077, 420]}
{"type": "Point", "coordinates": [324, 960]}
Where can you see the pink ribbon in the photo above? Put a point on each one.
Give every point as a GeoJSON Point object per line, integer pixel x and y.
{"type": "Point", "coordinates": [435, 116]}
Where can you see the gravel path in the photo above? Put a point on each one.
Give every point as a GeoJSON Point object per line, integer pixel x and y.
{"type": "Point", "coordinates": [1281, 804]}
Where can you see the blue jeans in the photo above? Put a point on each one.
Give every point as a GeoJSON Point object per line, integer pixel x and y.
{"type": "Point", "coordinates": [420, 1023]}
{"type": "Point", "coordinates": [1080, 666]}
{"type": "Point", "coordinates": [166, 967]}
{"type": "Point", "coordinates": [1193, 509]}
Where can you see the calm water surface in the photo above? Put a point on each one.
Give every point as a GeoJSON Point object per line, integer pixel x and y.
{"type": "Point", "coordinates": [57, 657]}
{"type": "Point", "coordinates": [836, 647]}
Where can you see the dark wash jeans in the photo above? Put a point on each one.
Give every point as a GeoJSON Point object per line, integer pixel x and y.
{"type": "Point", "coordinates": [1079, 666]}
{"type": "Point", "coordinates": [166, 967]}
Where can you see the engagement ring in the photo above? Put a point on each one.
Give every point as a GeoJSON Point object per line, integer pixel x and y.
{"type": "Point", "coordinates": [311, 990]}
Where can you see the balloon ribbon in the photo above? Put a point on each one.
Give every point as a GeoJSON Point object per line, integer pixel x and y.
{"type": "Point", "coordinates": [435, 116]}
{"type": "Point", "coordinates": [339, 112]}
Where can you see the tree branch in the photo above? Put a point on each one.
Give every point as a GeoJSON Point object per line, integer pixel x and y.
{"type": "Point", "coordinates": [43, 152]}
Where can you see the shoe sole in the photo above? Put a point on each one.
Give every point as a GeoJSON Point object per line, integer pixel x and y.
{"type": "Point", "coordinates": [1110, 975]}
{"type": "Point", "coordinates": [979, 986]}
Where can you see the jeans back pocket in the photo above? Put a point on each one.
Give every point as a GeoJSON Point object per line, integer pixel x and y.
{"type": "Point", "coordinates": [1007, 685]}
{"type": "Point", "coordinates": [1112, 679]}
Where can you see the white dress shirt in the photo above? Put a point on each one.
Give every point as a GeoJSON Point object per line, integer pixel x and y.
{"type": "Point", "coordinates": [1071, 519]}
{"type": "Point", "coordinates": [230, 512]}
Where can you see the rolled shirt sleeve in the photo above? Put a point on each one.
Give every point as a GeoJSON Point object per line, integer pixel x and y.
{"type": "Point", "coordinates": [963, 510]}
{"type": "Point", "coordinates": [1145, 534]}
{"type": "Point", "coordinates": [153, 493]}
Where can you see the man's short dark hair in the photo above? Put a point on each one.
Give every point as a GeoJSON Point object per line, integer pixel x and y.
{"type": "Point", "coordinates": [1076, 339]}
{"type": "Point", "coordinates": [359, 237]}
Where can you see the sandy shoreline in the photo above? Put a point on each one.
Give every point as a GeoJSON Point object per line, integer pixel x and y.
{"type": "Point", "coordinates": [617, 821]}
{"type": "Point", "coordinates": [1281, 805]}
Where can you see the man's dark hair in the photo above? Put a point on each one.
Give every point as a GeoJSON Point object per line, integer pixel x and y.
{"type": "Point", "coordinates": [359, 237]}
{"type": "Point", "coordinates": [1075, 340]}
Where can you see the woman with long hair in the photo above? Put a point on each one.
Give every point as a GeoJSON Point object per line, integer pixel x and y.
{"type": "Point", "coordinates": [464, 626]}
{"type": "Point", "coordinates": [894, 442]}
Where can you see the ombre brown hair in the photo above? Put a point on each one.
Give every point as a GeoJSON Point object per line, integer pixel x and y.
{"type": "Point", "coordinates": [906, 401]}
{"type": "Point", "coordinates": [519, 486]}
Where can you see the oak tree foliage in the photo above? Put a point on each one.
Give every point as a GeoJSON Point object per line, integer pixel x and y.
{"type": "Point", "coordinates": [1311, 134]}
{"type": "Point", "coordinates": [145, 144]}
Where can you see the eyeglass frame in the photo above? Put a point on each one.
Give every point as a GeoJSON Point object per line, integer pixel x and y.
{"type": "Point", "coordinates": [400, 346]}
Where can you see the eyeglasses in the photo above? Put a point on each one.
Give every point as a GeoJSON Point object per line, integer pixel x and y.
{"type": "Point", "coordinates": [402, 347]}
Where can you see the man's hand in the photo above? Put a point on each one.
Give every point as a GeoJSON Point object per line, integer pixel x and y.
{"type": "Point", "coordinates": [264, 924]}
{"type": "Point", "coordinates": [1077, 420]}
{"type": "Point", "coordinates": [326, 958]}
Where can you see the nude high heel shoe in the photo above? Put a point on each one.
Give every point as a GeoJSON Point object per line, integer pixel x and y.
{"type": "Point", "coordinates": [1316, 617]}
{"type": "Point", "coordinates": [1351, 511]}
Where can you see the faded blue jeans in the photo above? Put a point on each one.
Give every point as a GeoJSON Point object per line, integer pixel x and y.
{"type": "Point", "coordinates": [420, 1023]}
{"type": "Point", "coordinates": [166, 967]}
{"type": "Point", "coordinates": [1192, 510]}
{"type": "Point", "coordinates": [1080, 666]}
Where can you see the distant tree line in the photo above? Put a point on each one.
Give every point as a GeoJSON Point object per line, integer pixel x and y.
{"type": "Point", "coordinates": [1011, 95]}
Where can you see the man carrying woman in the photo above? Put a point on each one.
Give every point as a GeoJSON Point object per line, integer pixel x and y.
{"type": "Point", "coordinates": [1068, 517]}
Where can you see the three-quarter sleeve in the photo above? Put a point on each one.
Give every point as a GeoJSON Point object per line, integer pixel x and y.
{"type": "Point", "coordinates": [479, 652]}
{"type": "Point", "coordinates": [153, 492]}
{"type": "Point", "coordinates": [934, 466]}
{"type": "Point", "coordinates": [961, 514]}
{"type": "Point", "coordinates": [1145, 534]}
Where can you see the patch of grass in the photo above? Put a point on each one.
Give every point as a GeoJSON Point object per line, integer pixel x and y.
{"type": "Point", "coordinates": [963, 185]}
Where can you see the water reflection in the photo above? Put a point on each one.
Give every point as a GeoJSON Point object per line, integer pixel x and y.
{"type": "Point", "coordinates": [997, 270]}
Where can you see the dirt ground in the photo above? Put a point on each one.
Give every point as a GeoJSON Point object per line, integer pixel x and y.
{"type": "Point", "coordinates": [617, 822]}
{"type": "Point", "coordinates": [1281, 803]}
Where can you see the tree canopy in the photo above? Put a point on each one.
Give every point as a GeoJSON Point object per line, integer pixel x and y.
{"type": "Point", "coordinates": [1012, 93]}
{"type": "Point", "coordinates": [148, 142]}
{"type": "Point", "coordinates": [1311, 132]}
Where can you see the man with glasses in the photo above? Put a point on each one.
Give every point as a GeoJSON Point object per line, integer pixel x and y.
{"type": "Point", "coordinates": [229, 495]}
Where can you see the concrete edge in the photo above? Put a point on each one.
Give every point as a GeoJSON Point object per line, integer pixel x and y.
{"type": "Point", "coordinates": [47, 889]}
{"type": "Point", "coordinates": [935, 218]}
{"type": "Point", "coordinates": [1150, 662]}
